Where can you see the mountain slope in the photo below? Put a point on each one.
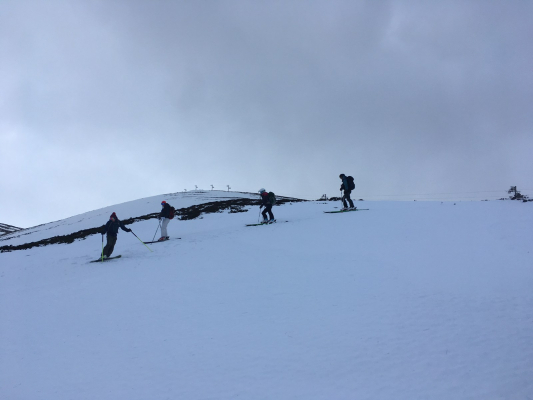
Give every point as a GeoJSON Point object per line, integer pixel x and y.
{"type": "Point", "coordinates": [188, 205]}
{"type": "Point", "coordinates": [406, 300]}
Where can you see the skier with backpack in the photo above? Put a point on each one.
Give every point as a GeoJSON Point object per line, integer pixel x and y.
{"type": "Point", "coordinates": [267, 201]}
{"type": "Point", "coordinates": [347, 185]}
{"type": "Point", "coordinates": [111, 228]}
{"type": "Point", "coordinates": [166, 214]}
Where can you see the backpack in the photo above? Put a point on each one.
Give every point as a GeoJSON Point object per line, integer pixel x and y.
{"type": "Point", "coordinates": [172, 212]}
{"type": "Point", "coordinates": [272, 198]}
{"type": "Point", "coordinates": [351, 184]}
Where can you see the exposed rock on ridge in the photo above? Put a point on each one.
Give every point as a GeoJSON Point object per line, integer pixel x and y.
{"type": "Point", "coordinates": [233, 205]}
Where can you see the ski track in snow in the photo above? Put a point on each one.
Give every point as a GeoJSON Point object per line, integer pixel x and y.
{"type": "Point", "coordinates": [409, 300]}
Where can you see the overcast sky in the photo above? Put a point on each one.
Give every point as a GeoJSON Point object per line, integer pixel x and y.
{"type": "Point", "coordinates": [108, 101]}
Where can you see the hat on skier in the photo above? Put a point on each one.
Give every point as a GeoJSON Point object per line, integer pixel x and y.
{"type": "Point", "coordinates": [163, 202]}
{"type": "Point", "coordinates": [342, 176]}
{"type": "Point", "coordinates": [262, 190]}
{"type": "Point", "coordinates": [113, 216]}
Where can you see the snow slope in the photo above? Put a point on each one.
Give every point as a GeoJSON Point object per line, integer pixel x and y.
{"type": "Point", "coordinates": [409, 300]}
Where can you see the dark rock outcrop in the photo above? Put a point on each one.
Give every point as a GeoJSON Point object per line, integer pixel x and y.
{"type": "Point", "coordinates": [187, 213]}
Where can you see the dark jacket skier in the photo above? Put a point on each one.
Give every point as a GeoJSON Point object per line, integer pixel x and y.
{"type": "Point", "coordinates": [265, 202]}
{"type": "Point", "coordinates": [346, 180]}
{"type": "Point", "coordinates": [165, 211]}
{"type": "Point", "coordinates": [164, 217]}
{"type": "Point", "coordinates": [111, 228]}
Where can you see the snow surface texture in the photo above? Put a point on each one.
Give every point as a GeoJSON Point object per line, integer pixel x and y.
{"type": "Point", "coordinates": [409, 300]}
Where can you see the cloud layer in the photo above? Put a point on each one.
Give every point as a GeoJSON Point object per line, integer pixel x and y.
{"type": "Point", "coordinates": [108, 101]}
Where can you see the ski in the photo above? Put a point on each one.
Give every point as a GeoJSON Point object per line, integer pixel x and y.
{"type": "Point", "coordinates": [342, 211]}
{"type": "Point", "coordinates": [264, 223]}
{"type": "Point", "coordinates": [159, 241]}
{"type": "Point", "coordinates": [105, 259]}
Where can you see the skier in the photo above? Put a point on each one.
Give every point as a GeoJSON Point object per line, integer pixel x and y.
{"type": "Point", "coordinates": [347, 185]}
{"type": "Point", "coordinates": [164, 217]}
{"type": "Point", "coordinates": [112, 231]}
{"type": "Point", "coordinates": [267, 203]}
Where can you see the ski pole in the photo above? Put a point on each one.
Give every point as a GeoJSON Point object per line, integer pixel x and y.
{"type": "Point", "coordinates": [158, 226]}
{"type": "Point", "coordinates": [140, 240]}
{"type": "Point", "coordinates": [102, 248]}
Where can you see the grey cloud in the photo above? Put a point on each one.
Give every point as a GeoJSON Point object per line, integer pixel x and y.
{"type": "Point", "coordinates": [409, 97]}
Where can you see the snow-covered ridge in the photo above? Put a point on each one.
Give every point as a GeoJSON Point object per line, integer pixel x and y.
{"type": "Point", "coordinates": [189, 205]}
{"type": "Point", "coordinates": [6, 229]}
